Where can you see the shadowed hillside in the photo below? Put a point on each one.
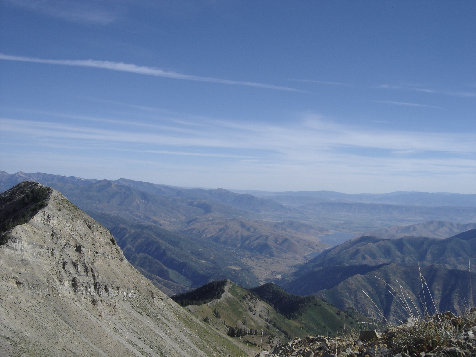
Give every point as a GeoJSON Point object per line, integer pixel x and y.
{"type": "Point", "coordinates": [393, 278]}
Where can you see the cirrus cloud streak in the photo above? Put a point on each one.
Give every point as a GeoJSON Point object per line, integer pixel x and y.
{"type": "Point", "coordinates": [142, 70]}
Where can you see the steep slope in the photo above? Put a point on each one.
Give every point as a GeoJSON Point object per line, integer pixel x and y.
{"type": "Point", "coordinates": [452, 252]}
{"type": "Point", "coordinates": [174, 262]}
{"type": "Point", "coordinates": [376, 275]}
{"type": "Point", "coordinates": [313, 314]}
{"type": "Point", "coordinates": [66, 289]}
{"type": "Point", "coordinates": [396, 292]}
{"type": "Point", "coordinates": [266, 314]}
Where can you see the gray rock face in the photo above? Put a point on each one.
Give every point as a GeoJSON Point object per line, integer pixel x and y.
{"type": "Point", "coordinates": [66, 289]}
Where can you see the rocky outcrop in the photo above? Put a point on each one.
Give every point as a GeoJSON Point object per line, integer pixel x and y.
{"type": "Point", "coordinates": [439, 335]}
{"type": "Point", "coordinates": [66, 289]}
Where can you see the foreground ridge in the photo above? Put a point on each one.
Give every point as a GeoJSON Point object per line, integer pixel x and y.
{"type": "Point", "coordinates": [66, 289]}
{"type": "Point", "coordinates": [440, 335]}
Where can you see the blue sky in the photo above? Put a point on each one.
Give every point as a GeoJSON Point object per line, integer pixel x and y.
{"type": "Point", "coordinates": [350, 96]}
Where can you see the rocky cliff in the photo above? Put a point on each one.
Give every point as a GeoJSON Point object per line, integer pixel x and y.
{"type": "Point", "coordinates": [66, 289]}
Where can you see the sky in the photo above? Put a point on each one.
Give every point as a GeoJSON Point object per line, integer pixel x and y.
{"type": "Point", "coordinates": [352, 96]}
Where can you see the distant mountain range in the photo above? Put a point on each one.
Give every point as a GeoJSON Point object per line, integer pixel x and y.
{"type": "Point", "coordinates": [183, 238]}
{"type": "Point", "coordinates": [429, 229]}
{"type": "Point", "coordinates": [170, 206]}
{"type": "Point", "coordinates": [401, 198]}
{"type": "Point", "coordinates": [365, 212]}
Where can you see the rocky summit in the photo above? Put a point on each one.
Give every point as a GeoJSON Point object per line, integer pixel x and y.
{"type": "Point", "coordinates": [66, 289]}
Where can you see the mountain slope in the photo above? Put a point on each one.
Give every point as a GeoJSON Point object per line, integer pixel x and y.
{"type": "Point", "coordinates": [182, 238]}
{"type": "Point", "coordinates": [270, 238]}
{"type": "Point", "coordinates": [452, 252]}
{"type": "Point", "coordinates": [175, 262]}
{"type": "Point", "coordinates": [377, 275]}
{"type": "Point", "coordinates": [266, 314]}
{"type": "Point", "coordinates": [242, 202]}
{"type": "Point", "coordinates": [66, 289]}
{"type": "Point", "coordinates": [430, 229]}
{"type": "Point", "coordinates": [396, 292]}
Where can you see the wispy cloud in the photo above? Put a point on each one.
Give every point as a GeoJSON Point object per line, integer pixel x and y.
{"type": "Point", "coordinates": [309, 137]}
{"type": "Point", "coordinates": [122, 123]}
{"type": "Point", "coordinates": [461, 94]}
{"type": "Point", "coordinates": [406, 104]}
{"type": "Point", "coordinates": [84, 11]}
{"type": "Point", "coordinates": [327, 83]}
{"type": "Point", "coordinates": [143, 70]}
{"type": "Point", "coordinates": [397, 87]}
{"type": "Point", "coordinates": [309, 152]}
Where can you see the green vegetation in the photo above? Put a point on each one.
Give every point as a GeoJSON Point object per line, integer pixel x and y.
{"type": "Point", "coordinates": [212, 341]}
{"type": "Point", "coordinates": [265, 315]}
{"type": "Point", "coordinates": [312, 313]}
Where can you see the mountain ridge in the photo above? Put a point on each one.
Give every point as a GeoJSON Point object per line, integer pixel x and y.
{"type": "Point", "coordinates": [429, 229]}
{"type": "Point", "coordinates": [66, 289]}
{"type": "Point", "coordinates": [387, 269]}
{"type": "Point", "coordinates": [182, 238]}
{"type": "Point", "coordinates": [266, 314]}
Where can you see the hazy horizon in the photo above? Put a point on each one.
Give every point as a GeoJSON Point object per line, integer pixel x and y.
{"type": "Point", "coordinates": [344, 96]}
{"type": "Point", "coordinates": [249, 191]}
